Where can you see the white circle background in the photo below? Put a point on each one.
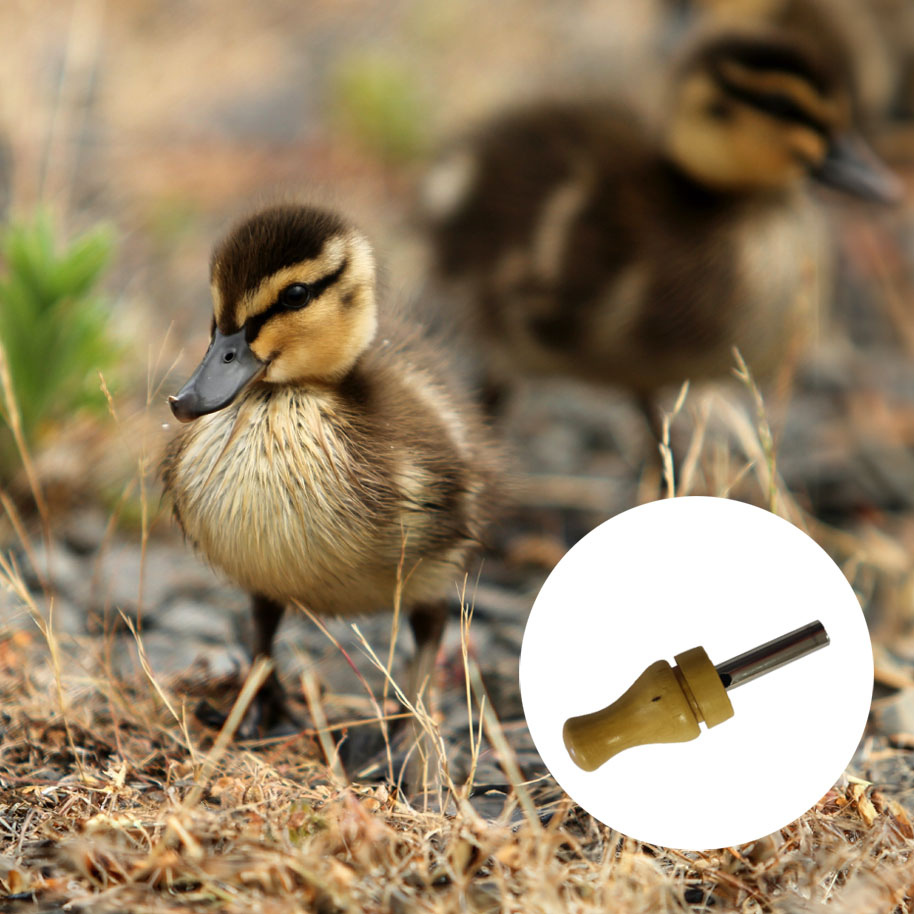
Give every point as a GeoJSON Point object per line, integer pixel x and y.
{"type": "Point", "coordinates": [672, 575]}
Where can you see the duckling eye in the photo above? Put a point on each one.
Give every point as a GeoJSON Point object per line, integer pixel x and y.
{"type": "Point", "coordinates": [295, 296]}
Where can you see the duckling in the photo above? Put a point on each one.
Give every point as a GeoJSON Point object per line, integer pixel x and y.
{"type": "Point", "coordinates": [593, 246]}
{"type": "Point", "coordinates": [322, 462]}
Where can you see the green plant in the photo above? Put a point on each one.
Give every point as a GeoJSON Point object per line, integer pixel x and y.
{"type": "Point", "coordinates": [379, 102]}
{"type": "Point", "coordinates": [53, 327]}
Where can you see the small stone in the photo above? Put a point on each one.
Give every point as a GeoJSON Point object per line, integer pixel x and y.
{"type": "Point", "coordinates": [199, 622]}
{"type": "Point", "coordinates": [57, 567]}
{"type": "Point", "coordinates": [65, 617]}
{"type": "Point", "coordinates": [896, 715]}
{"type": "Point", "coordinates": [165, 570]}
{"type": "Point", "coordinates": [15, 615]}
{"type": "Point", "coordinates": [169, 655]}
{"type": "Point", "coordinates": [83, 530]}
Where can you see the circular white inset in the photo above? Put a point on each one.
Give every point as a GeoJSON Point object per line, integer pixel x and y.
{"type": "Point", "coordinates": [661, 579]}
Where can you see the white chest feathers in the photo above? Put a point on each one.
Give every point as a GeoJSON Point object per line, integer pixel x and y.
{"type": "Point", "coordinates": [276, 493]}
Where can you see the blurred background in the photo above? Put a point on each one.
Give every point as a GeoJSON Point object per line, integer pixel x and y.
{"type": "Point", "coordinates": [132, 133]}
{"type": "Point", "coordinates": [161, 122]}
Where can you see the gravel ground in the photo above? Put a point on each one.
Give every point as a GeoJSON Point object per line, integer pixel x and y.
{"type": "Point", "coordinates": [193, 624]}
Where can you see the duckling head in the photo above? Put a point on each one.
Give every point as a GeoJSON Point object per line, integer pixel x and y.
{"type": "Point", "coordinates": [761, 110]}
{"type": "Point", "coordinates": [293, 303]}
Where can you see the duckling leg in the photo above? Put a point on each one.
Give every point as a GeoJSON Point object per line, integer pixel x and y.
{"type": "Point", "coordinates": [269, 706]}
{"type": "Point", "coordinates": [427, 621]}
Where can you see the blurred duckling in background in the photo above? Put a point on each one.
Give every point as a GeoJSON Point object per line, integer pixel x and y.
{"type": "Point", "coordinates": [870, 41]}
{"type": "Point", "coordinates": [593, 247]}
{"type": "Point", "coordinates": [321, 462]}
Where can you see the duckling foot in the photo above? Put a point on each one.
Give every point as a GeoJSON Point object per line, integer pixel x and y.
{"type": "Point", "coordinates": [268, 712]}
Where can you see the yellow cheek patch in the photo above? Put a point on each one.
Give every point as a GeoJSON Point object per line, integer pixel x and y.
{"type": "Point", "coordinates": [274, 336]}
{"type": "Point", "coordinates": [303, 344]}
{"type": "Point", "coordinates": [320, 343]}
{"type": "Point", "coordinates": [747, 149]}
{"type": "Point", "coordinates": [807, 145]}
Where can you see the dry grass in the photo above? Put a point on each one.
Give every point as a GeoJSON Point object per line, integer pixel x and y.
{"type": "Point", "coordinates": [116, 799]}
{"type": "Point", "coordinates": [112, 800]}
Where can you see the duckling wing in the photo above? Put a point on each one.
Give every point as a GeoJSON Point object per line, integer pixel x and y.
{"type": "Point", "coordinates": [546, 223]}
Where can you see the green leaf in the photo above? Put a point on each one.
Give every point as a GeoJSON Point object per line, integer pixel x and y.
{"type": "Point", "coordinates": [53, 325]}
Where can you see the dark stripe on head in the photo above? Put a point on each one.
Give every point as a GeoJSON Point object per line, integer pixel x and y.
{"type": "Point", "coordinates": [254, 324]}
{"type": "Point", "coordinates": [768, 54]}
{"type": "Point", "coordinates": [258, 247]}
{"type": "Point", "coordinates": [777, 104]}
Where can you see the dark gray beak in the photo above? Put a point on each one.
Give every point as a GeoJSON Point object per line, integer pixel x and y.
{"type": "Point", "coordinates": [227, 368]}
{"type": "Point", "coordinates": [853, 167]}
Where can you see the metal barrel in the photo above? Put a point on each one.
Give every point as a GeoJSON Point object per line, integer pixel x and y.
{"type": "Point", "coordinates": [769, 656]}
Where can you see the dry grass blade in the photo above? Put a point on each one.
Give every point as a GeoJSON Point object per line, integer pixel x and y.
{"type": "Point", "coordinates": [25, 541]}
{"type": "Point", "coordinates": [380, 715]}
{"type": "Point", "coordinates": [398, 600]}
{"type": "Point", "coordinates": [466, 618]}
{"type": "Point", "coordinates": [417, 709]}
{"type": "Point", "coordinates": [506, 754]}
{"type": "Point", "coordinates": [763, 428]}
{"type": "Point", "coordinates": [257, 676]}
{"type": "Point", "coordinates": [154, 388]}
{"type": "Point", "coordinates": [666, 452]}
{"type": "Point", "coordinates": [147, 668]}
{"type": "Point", "coordinates": [316, 707]}
{"type": "Point", "coordinates": [12, 577]}
{"type": "Point", "coordinates": [142, 475]}
{"type": "Point", "coordinates": [690, 463]}
{"type": "Point", "coordinates": [14, 421]}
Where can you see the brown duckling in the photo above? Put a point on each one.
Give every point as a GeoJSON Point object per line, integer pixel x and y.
{"type": "Point", "coordinates": [593, 246]}
{"type": "Point", "coordinates": [324, 462]}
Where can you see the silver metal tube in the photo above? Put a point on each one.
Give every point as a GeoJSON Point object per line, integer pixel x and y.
{"type": "Point", "coordinates": [767, 657]}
